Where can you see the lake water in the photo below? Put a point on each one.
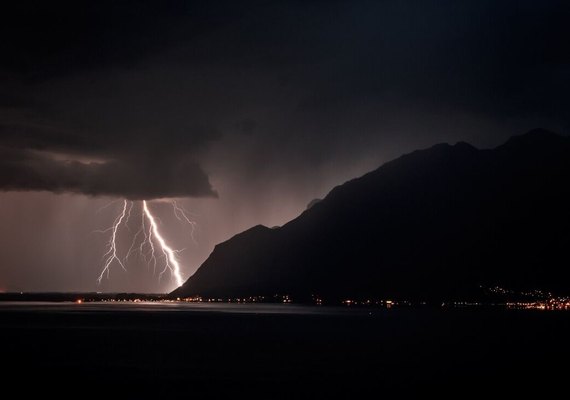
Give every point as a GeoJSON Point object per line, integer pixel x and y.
{"type": "Point", "coordinates": [280, 351]}
{"type": "Point", "coordinates": [226, 308]}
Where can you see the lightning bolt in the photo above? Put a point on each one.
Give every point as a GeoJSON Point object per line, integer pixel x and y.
{"type": "Point", "coordinates": [169, 254]}
{"type": "Point", "coordinates": [111, 254]}
{"type": "Point", "coordinates": [150, 243]}
{"type": "Point", "coordinates": [182, 215]}
{"type": "Point", "coordinates": [129, 215]}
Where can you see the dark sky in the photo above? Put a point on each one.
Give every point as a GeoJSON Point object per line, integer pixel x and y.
{"type": "Point", "coordinates": [244, 110]}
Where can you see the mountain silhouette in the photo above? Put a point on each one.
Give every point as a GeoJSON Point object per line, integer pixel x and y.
{"type": "Point", "coordinates": [433, 224]}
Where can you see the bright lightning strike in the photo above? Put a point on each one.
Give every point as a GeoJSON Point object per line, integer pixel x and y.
{"type": "Point", "coordinates": [169, 254]}
{"type": "Point", "coordinates": [151, 240]}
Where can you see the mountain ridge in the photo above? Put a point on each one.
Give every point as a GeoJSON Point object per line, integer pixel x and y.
{"type": "Point", "coordinates": [438, 222]}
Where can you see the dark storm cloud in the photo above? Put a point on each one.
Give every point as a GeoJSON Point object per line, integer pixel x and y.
{"type": "Point", "coordinates": [37, 136]}
{"type": "Point", "coordinates": [45, 158]}
{"type": "Point", "coordinates": [56, 38]}
{"type": "Point", "coordinates": [147, 88]}
{"type": "Point", "coordinates": [26, 170]}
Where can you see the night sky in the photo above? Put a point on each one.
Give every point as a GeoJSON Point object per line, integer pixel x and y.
{"type": "Point", "coordinates": [245, 111]}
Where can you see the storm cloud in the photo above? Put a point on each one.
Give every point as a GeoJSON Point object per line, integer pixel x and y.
{"type": "Point", "coordinates": [133, 98]}
{"type": "Point", "coordinates": [30, 171]}
{"type": "Point", "coordinates": [40, 157]}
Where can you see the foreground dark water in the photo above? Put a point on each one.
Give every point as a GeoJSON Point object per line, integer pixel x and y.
{"type": "Point", "coordinates": [280, 351]}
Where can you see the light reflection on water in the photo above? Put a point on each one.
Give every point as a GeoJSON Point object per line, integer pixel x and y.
{"type": "Point", "coordinates": [291, 309]}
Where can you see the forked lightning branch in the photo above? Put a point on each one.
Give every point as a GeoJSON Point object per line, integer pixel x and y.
{"type": "Point", "coordinates": [148, 241]}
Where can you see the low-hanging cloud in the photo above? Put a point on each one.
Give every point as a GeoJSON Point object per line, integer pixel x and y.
{"type": "Point", "coordinates": [36, 157]}
{"type": "Point", "coordinates": [25, 170]}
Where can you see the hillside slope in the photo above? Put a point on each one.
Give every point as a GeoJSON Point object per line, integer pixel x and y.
{"type": "Point", "coordinates": [434, 223]}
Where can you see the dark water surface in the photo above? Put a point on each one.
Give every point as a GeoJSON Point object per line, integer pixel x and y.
{"type": "Point", "coordinates": [280, 351]}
